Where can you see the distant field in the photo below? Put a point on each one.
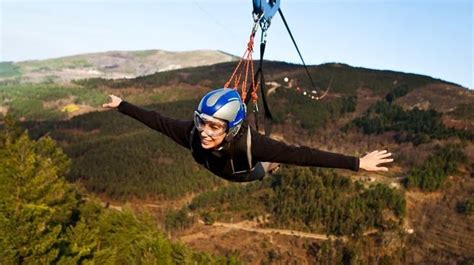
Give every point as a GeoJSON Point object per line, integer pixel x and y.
{"type": "Point", "coordinates": [45, 101]}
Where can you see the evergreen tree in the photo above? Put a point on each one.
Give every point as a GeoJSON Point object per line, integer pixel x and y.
{"type": "Point", "coordinates": [35, 203]}
{"type": "Point", "coordinates": [45, 220]}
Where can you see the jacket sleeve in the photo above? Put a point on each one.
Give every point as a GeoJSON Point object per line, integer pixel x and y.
{"type": "Point", "coordinates": [177, 130]}
{"type": "Point", "coordinates": [265, 149]}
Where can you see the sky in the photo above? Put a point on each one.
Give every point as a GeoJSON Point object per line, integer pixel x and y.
{"type": "Point", "coordinates": [429, 37]}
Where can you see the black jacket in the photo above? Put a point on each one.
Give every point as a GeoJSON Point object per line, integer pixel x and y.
{"type": "Point", "coordinates": [263, 149]}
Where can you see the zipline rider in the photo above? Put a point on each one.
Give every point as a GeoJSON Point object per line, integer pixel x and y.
{"type": "Point", "coordinates": [220, 139]}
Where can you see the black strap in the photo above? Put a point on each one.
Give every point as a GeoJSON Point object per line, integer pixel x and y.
{"type": "Point", "coordinates": [296, 46]}
{"type": "Point", "coordinates": [268, 115]}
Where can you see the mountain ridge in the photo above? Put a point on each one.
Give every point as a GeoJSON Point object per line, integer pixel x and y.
{"type": "Point", "coordinates": [109, 64]}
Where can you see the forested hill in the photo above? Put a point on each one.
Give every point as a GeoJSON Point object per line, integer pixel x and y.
{"type": "Point", "coordinates": [426, 123]}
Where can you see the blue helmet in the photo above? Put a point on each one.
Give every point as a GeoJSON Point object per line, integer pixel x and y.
{"type": "Point", "coordinates": [224, 104]}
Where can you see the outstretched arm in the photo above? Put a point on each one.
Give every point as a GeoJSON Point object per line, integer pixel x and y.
{"type": "Point", "coordinates": [177, 130]}
{"type": "Point", "coordinates": [266, 149]}
{"type": "Point", "coordinates": [270, 150]}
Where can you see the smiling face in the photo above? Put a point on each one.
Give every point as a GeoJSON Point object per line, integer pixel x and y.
{"type": "Point", "coordinates": [212, 131]}
{"type": "Point", "coordinates": [208, 142]}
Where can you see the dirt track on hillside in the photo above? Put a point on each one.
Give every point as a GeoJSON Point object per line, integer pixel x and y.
{"type": "Point", "coordinates": [250, 226]}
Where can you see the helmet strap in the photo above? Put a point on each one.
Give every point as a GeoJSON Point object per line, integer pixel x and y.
{"type": "Point", "coordinates": [232, 133]}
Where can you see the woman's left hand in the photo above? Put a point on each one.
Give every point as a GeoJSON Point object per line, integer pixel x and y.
{"type": "Point", "coordinates": [371, 160]}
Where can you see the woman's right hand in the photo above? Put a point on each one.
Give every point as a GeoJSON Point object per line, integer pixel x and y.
{"type": "Point", "coordinates": [115, 102]}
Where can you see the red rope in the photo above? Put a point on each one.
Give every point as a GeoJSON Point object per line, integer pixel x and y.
{"type": "Point", "coordinates": [244, 70]}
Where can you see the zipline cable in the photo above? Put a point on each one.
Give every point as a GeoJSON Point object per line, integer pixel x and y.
{"type": "Point", "coordinates": [299, 53]}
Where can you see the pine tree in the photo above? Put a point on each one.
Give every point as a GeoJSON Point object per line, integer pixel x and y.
{"type": "Point", "coordinates": [44, 220]}
{"type": "Point", "coordinates": [35, 203]}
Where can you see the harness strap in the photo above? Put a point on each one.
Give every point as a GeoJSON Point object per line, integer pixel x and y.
{"type": "Point", "coordinates": [249, 148]}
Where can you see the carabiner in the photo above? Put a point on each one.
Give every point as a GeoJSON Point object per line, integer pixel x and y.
{"type": "Point", "coordinates": [266, 8]}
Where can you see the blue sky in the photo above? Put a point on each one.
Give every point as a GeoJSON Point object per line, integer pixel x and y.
{"type": "Point", "coordinates": [430, 37]}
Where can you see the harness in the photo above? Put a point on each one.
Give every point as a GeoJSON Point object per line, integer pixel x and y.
{"type": "Point", "coordinates": [238, 153]}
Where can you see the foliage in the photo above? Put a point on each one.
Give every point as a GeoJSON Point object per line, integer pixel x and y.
{"type": "Point", "coordinates": [337, 206]}
{"type": "Point", "coordinates": [248, 201]}
{"type": "Point", "coordinates": [45, 220]}
{"type": "Point", "coordinates": [35, 203]}
{"type": "Point", "coordinates": [289, 106]}
{"type": "Point", "coordinates": [178, 220]}
{"type": "Point", "coordinates": [346, 79]}
{"type": "Point", "coordinates": [417, 126]}
{"type": "Point", "coordinates": [28, 100]}
{"type": "Point", "coordinates": [431, 175]}
{"type": "Point", "coordinates": [356, 251]}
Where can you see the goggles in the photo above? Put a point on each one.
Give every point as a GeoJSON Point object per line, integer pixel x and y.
{"type": "Point", "coordinates": [210, 125]}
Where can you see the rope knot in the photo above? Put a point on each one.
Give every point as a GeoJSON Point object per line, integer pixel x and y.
{"type": "Point", "coordinates": [250, 46]}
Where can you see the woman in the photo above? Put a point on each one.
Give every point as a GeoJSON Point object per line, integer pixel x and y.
{"type": "Point", "coordinates": [221, 140]}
